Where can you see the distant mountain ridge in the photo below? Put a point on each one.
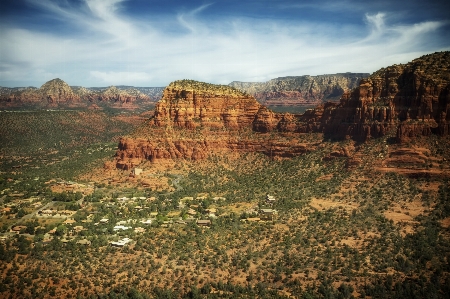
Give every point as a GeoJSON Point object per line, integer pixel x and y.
{"type": "Point", "coordinates": [301, 90]}
{"type": "Point", "coordinates": [57, 93]}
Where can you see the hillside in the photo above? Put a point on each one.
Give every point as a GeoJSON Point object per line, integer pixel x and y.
{"type": "Point", "coordinates": [58, 94]}
{"type": "Point", "coordinates": [301, 90]}
{"type": "Point", "coordinates": [213, 195]}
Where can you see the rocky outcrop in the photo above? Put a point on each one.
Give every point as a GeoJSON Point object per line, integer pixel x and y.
{"type": "Point", "coordinates": [194, 119]}
{"type": "Point", "coordinates": [114, 95]}
{"type": "Point", "coordinates": [190, 104]}
{"type": "Point", "coordinates": [57, 93]}
{"type": "Point", "coordinates": [411, 99]}
{"type": "Point", "coordinates": [53, 93]}
{"type": "Point", "coordinates": [301, 90]}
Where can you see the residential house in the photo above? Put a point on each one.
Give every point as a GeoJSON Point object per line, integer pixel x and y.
{"type": "Point", "coordinates": [18, 228]}
{"type": "Point", "coordinates": [84, 242]}
{"type": "Point", "coordinates": [121, 242]}
{"type": "Point", "coordinates": [270, 199]}
{"type": "Point", "coordinates": [218, 198]}
{"type": "Point", "coordinates": [146, 222]}
{"type": "Point", "coordinates": [69, 221]}
{"type": "Point", "coordinates": [136, 171]}
{"type": "Point", "coordinates": [120, 227]}
{"type": "Point", "coordinates": [267, 214]}
{"type": "Point", "coordinates": [204, 222]}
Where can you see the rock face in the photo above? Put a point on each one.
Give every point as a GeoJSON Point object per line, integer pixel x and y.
{"type": "Point", "coordinates": [114, 95]}
{"type": "Point", "coordinates": [193, 118]}
{"type": "Point", "coordinates": [57, 93]}
{"type": "Point", "coordinates": [301, 90]}
{"type": "Point", "coordinates": [53, 93]}
{"type": "Point", "coordinates": [413, 99]}
{"type": "Point", "coordinates": [190, 104]}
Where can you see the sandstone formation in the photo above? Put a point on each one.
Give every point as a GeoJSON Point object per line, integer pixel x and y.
{"type": "Point", "coordinates": [301, 90]}
{"type": "Point", "coordinates": [189, 104]}
{"type": "Point", "coordinates": [410, 100]}
{"type": "Point", "coordinates": [57, 93]}
{"type": "Point", "coordinates": [194, 119]}
{"type": "Point", "coordinates": [413, 99]}
{"type": "Point", "coordinates": [52, 93]}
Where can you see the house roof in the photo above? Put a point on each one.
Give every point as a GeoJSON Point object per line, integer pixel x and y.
{"type": "Point", "coordinates": [203, 221]}
{"type": "Point", "coordinates": [84, 242]}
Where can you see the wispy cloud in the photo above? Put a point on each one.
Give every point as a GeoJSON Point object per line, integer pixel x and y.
{"type": "Point", "coordinates": [117, 78]}
{"type": "Point", "coordinates": [109, 46]}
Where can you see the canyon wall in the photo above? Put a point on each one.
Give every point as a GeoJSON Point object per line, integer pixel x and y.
{"type": "Point", "coordinates": [195, 119]}
{"type": "Point", "coordinates": [301, 90]}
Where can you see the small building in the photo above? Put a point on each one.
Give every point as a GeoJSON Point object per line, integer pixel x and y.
{"type": "Point", "coordinates": [270, 199]}
{"type": "Point", "coordinates": [18, 228]}
{"type": "Point", "coordinates": [219, 198]}
{"type": "Point", "coordinates": [104, 221]}
{"type": "Point", "coordinates": [6, 210]}
{"type": "Point", "coordinates": [267, 214]}
{"type": "Point", "coordinates": [204, 222]}
{"type": "Point", "coordinates": [146, 222]}
{"type": "Point", "coordinates": [253, 219]}
{"type": "Point", "coordinates": [84, 242]}
{"type": "Point", "coordinates": [120, 227]}
{"type": "Point", "coordinates": [136, 171]}
{"type": "Point", "coordinates": [69, 221]}
{"type": "Point", "coordinates": [78, 228]}
{"type": "Point", "coordinates": [121, 242]}
{"type": "Point", "coordinates": [211, 211]}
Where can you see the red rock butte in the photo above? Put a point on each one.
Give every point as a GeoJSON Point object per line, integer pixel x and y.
{"type": "Point", "coordinates": [194, 119]}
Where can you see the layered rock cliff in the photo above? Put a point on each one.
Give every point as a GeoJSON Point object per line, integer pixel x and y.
{"type": "Point", "coordinates": [410, 100]}
{"type": "Point", "coordinates": [194, 119]}
{"type": "Point", "coordinates": [413, 99]}
{"type": "Point", "coordinates": [190, 104]}
{"type": "Point", "coordinates": [301, 90]}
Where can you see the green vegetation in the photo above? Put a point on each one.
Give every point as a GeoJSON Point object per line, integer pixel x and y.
{"type": "Point", "coordinates": [338, 233]}
{"type": "Point", "coordinates": [203, 87]}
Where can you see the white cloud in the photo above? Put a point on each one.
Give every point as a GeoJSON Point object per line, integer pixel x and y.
{"type": "Point", "coordinates": [118, 78]}
{"type": "Point", "coordinates": [111, 48]}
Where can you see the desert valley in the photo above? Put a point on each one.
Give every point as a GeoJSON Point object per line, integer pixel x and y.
{"type": "Point", "coordinates": [331, 186]}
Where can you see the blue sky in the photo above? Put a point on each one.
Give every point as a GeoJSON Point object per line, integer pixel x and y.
{"type": "Point", "coordinates": [151, 43]}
